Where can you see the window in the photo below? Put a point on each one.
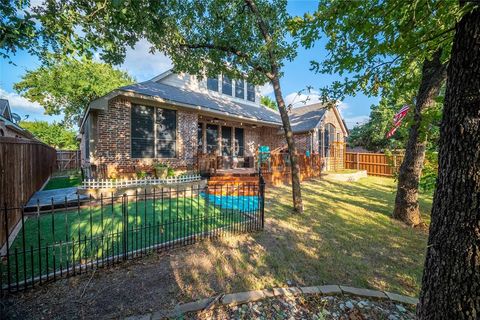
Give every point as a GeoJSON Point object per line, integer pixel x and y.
{"type": "Point", "coordinates": [212, 138]}
{"type": "Point", "coordinates": [238, 147]}
{"type": "Point", "coordinates": [226, 141]}
{"type": "Point", "coordinates": [250, 92]}
{"type": "Point", "coordinates": [240, 89]}
{"type": "Point", "coordinates": [212, 84]}
{"type": "Point", "coordinates": [2, 134]}
{"type": "Point", "coordinates": [87, 138]}
{"type": "Point", "coordinates": [200, 137]}
{"type": "Point", "coordinates": [166, 129]}
{"type": "Point", "coordinates": [226, 85]}
{"type": "Point", "coordinates": [328, 138]}
{"type": "Point", "coordinates": [154, 132]}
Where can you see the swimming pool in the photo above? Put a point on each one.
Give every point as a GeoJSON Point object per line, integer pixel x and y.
{"type": "Point", "coordinates": [234, 202]}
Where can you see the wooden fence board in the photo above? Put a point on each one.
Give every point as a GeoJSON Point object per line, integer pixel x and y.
{"type": "Point", "coordinates": [25, 165]}
{"type": "Point", "coordinates": [376, 164]}
{"type": "Point", "coordinates": [68, 159]}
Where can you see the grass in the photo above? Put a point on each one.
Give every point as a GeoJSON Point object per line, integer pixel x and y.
{"type": "Point", "coordinates": [345, 236]}
{"type": "Point", "coordinates": [72, 180]}
{"type": "Point", "coordinates": [95, 231]}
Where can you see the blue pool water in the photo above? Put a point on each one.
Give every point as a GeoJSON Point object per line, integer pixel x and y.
{"type": "Point", "coordinates": [235, 202]}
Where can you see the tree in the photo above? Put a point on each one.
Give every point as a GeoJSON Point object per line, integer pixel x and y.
{"type": "Point", "coordinates": [268, 102]}
{"type": "Point", "coordinates": [392, 48]}
{"type": "Point", "coordinates": [242, 38]}
{"type": "Point", "coordinates": [451, 277]}
{"type": "Point", "coordinates": [58, 29]}
{"type": "Point", "coordinates": [68, 86]}
{"type": "Point", "coordinates": [54, 134]}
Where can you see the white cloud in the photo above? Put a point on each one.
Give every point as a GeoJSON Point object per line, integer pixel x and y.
{"type": "Point", "coordinates": [301, 99]}
{"type": "Point", "coordinates": [355, 121]}
{"type": "Point", "coordinates": [143, 65]}
{"type": "Point", "coordinates": [266, 89]}
{"type": "Point", "coordinates": [18, 102]}
{"type": "Point", "coordinates": [342, 106]}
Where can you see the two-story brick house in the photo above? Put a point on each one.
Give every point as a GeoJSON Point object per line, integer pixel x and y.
{"type": "Point", "coordinates": [174, 117]}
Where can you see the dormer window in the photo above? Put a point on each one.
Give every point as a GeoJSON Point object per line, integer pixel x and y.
{"type": "Point", "coordinates": [240, 89]}
{"type": "Point", "coordinates": [212, 84]}
{"type": "Point", "coordinates": [250, 92]}
{"type": "Point", "coordinates": [226, 85]}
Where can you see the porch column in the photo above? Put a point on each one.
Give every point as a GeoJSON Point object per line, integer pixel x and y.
{"type": "Point", "coordinates": [204, 137]}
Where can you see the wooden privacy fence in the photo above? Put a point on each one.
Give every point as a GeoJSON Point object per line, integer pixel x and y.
{"type": "Point", "coordinates": [68, 159]}
{"type": "Point", "coordinates": [279, 170]}
{"type": "Point", "coordinates": [376, 164]}
{"type": "Point", "coordinates": [25, 165]}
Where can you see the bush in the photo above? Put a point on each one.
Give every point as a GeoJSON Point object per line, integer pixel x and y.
{"type": "Point", "coordinates": [430, 172]}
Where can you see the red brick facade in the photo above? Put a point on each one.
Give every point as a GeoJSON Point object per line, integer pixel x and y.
{"type": "Point", "coordinates": [110, 138]}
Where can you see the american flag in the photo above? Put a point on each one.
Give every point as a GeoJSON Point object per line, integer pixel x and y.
{"type": "Point", "coordinates": [397, 120]}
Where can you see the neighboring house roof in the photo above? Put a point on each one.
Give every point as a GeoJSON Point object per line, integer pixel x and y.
{"type": "Point", "coordinates": [196, 101]}
{"type": "Point", "coordinates": [5, 109]}
{"type": "Point", "coordinates": [6, 118]}
{"type": "Point", "coordinates": [306, 118]}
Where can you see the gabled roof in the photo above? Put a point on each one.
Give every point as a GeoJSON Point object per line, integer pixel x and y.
{"type": "Point", "coordinates": [194, 100]}
{"type": "Point", "coordinates": [5, 109]}
{"type": "Point", "coordinates": [306, 118]}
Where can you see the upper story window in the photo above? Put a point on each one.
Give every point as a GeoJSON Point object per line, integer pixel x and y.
{"type": "Point", "coordinates": [250, 92]}
{"type": "Point", "coordinates": [212, 84]}
{"type": "Point", "coordinates": [226, 85]}
{"type": "Point", "coordinates": [153, 132]}
{"type": "Point", "coordinates": [240, 89]}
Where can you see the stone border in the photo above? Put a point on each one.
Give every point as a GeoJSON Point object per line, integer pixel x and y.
{"type": "Point", "coordinates": [233, 299]}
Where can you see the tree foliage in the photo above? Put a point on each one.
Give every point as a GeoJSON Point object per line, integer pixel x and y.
{"type": "Point", "coordinates": [53, 134]}
{"type": "Point", "coordinates": [381, 44]}
{"type": "Point", "coordinates": [68, 86]}
{"type": "Point", "coordinates": [268, 102]}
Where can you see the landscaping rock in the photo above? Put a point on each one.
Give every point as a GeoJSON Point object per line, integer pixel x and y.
{"type": "Point", "coordinates": [330, 289]}
{"type": "Point", "coordinates": [401, 298]}
{"type": "Point", "coordinates": [364, 292]}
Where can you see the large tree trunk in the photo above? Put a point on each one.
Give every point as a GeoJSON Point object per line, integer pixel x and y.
{"type": "Point", "coordinates": [406, 202]}
{"type": "Point", "coordinates": [451, 278]}
{"type": "Point", "coordinates": [292, 150]}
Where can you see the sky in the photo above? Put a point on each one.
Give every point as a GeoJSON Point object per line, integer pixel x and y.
{"type": "Point", "coordinates": [143, 66]}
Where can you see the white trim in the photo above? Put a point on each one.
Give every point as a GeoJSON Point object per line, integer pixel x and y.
{"type": "Point", "coordinates": [162, 75]}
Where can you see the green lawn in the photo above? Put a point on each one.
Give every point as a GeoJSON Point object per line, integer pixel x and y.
{"type": "Point", "coordinates": [96, 232]}
{"type": "Point", "coordinates": [345, 236]}
{"type": "Point", "coordinates": [63, 182]}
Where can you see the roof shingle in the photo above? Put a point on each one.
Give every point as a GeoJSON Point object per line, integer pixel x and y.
{"type": "Point", "coordinates": [191, 98]}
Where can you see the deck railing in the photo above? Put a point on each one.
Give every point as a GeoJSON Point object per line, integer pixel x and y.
{"type": "Point", "coordinates": [124, 183]}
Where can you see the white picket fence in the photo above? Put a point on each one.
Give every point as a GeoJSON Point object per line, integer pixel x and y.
{"type": "Point", "coordinates": [124, 183]}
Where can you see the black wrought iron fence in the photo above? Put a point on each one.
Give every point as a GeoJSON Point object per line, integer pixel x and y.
{"type": "Point", "coordinates": [62, 240]}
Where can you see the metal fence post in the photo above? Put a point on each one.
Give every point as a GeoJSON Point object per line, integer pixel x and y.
{"type": "Point", "coordinates": [124, 226]}
{"type": "Point", "coordinates": [205, 215]}
{"type": "Point", "coordinates": [262, 199]}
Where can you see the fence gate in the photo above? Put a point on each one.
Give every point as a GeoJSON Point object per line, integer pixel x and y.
{"type": "Point", "coordinates": [68, 159]}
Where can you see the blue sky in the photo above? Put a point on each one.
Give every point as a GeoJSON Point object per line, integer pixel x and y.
{"type": "Point", "coordinates": [143, 66]}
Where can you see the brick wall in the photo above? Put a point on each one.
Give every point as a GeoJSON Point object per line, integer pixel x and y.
{"type": "Point", "coordinates": [113, 146]}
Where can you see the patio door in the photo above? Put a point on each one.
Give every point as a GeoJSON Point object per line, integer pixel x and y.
{"type": "Point", "coordinates": [212, 138]}
{"type": "Point", "coordinates": [226, 141]}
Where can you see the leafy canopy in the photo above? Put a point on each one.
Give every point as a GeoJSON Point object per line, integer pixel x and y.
{"type": "Point", "coordinates": [54, 134]}
{"type": "Point", "coordinates": [68, 86]}
{"type": "Point", "coordinates": [382, 44]}
{"type": "Point", "coordinates": [56, 29]}
{"type": "Point", "coordinates": [268, 102]}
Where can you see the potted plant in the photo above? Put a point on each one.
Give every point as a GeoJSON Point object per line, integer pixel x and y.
{"type": "Point", "coordinates": [161, 170]}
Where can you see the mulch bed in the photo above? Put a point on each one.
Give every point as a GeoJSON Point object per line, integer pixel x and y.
{"type": "Point", "coordinates": [311, 307]}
